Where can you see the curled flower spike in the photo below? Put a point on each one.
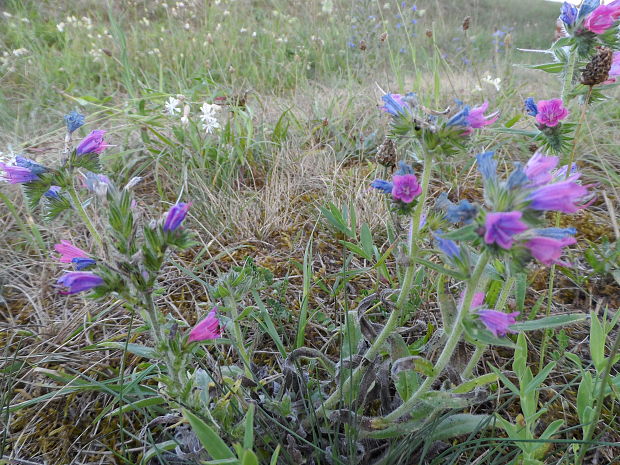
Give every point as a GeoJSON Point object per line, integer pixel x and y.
{"type": "Point", "coordinates": [68, 251]}
{"type": "Point", "coordinates": [497, 322]}
{"type": "Point", "coordinates": [538, 168]}
{"type": "Point", "coordinates": [501, 227]}
{"type": "Point", "coordinates": [564, 196]}
{"type": "Point", "coordinates": [551, 112]}
{"type": "Point", "coordinates": [176, 215]}
{"type": "Point", "coordinates": [92, 143]}
{"type": "Point", "coordinates": [209, 328]}
{"type": "Point", "coordinates": [80, 281]}
{"type": "Point", "coordinates": [74, 120]}
{"type": "Point", "coordinates": [548, 250]}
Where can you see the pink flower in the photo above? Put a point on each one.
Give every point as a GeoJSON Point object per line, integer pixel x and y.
{"type": "Point", "coordinates": [209, 328]}
{"type": "Point", "coordinates": [500, 227]}
{"type": "Point", "coordinates": [602, 18]}
{"type": "Point", "coordinates": [68, 252]}
{"type": "Point", "coordinates": [564, 196]}
{"type": "Point", "coordinates": [538, 169]}
{"type": "Point", "coordinates": [614, 70]}
{"type": "Point", "coordinates": [497, 322]}
{"type": "Point", "coordinates": [92, 143]}
{"type": "Point", "coordinates": [476, 118]}
{"type": "Point", "coordinates": [477, 300]}
{"type": "Point", "coordinates": [548, 250]}
{"type": "Point", "coordinates": [406, 187]}
{"type": "Point", "coordinates": [551, 112]}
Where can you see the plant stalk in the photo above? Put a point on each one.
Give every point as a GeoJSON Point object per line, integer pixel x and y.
{"type": "Point", "coordinates": [77, 204]}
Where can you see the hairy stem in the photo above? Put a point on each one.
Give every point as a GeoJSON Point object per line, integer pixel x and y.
{"type": "Point", "coordinates": [453, 339]}
{"type": "Point", "coordinates": [232, 304]}
{"type": "Point", "coordinates": [77, 204]}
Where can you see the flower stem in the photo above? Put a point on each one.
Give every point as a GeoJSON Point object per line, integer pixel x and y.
{"type": "Point", "coordinates": [77, 204]}
{"type": "Point", "coordinates": [232, 304]}
{"type": "Point", "coordinates": [569, 70]}
{"type": "Point", "coordinates": [405, 289]}
{"type": "Point", "coordinates": [451, 343]}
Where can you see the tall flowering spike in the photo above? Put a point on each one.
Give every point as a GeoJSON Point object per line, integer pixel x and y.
{"type": "Point", "coordinates": [79, 281]}
{"type": "Point", "coordinates": [538, 168]}
{"type": "Point", "coordinates": [209, 328]}
{"type": "Point", "coordinates": [68, 251]}
{"type": "Point", "coordinates": [74, 120]}
{"type": "Point", "coordinates": [487, 165]}
{"type": "Point", "coordinates": [476, 118]}
{"type": "Point", "coordinates": [406, 187]}
{"type": "Point", "coordinates": [462, 212]}
{"type": "Point", "coordinates": [530, 106]}
{"type": "Point", "coordinates": [394, 104]}
{"type": "Point", "coordinates": [568, 14]}
{"type": "Point", "coordinates": [551, 112]}
{"type": "Point", "coordinates": [498, 322]}
{"type": "Point", "coordinates": [548, 250]}
{"type": "Point", "coordinates": [563, 196]}
{"type": "Point", "coordinates": [601, 19]}
{"type": "Point", "coordinates": [176, 215]}
{"type": "Point", "coordinates": [447, 246]}
{"type": "Point", "coordinates": [501, 227]}
{"type": "Point", "coordinates": [382, 185]}
{"type": "Point", "coordinates": [92, 143]}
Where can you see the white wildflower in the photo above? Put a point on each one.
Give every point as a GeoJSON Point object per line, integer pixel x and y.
{"type": "Point", "coordinates": [185, 117]}
{"type": "Point", "coordinates": [207, 116]}
{"type": "Point", "coordinates": [20, 52]}
{"type": "Point", "coordinates": [494, 82]}
{"type": "Point", "coordinates": [171, 106]}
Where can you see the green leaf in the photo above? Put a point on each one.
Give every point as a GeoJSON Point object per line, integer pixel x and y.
{"type": "Point", "coordinates": [136, 349]}
{"type": "Point", "coordinates": [553, 68]}
{"type": "Point", "coordinates": [209, 439]}
{"type": "Point", "coordinates": [520, 290]}
{"type": "Point", "coordinates": [366, 240]}
{"type": "Point", "coordinates": [539, 378]}
{"type": "Point", "coordinates": [585, 397]}
{"type": "Point", "coordinates": [459, 424]}
{"type": "Point", "coordinates": [555, 321]}
{"type": "Point", "coordinates": [440, 269]}
{"type": "Point", "coordinates": [597, 342]}
{"type": "Point", "coordinates": [248, 436]}
{"type": "Point", "coordinates": [466, 233]}
{"type": "Point", "coordinates": [470, 385]}
{"type": "Point", "coordinates": [249, 458]}
{"type": "Point", "coordinates": [157, 450]}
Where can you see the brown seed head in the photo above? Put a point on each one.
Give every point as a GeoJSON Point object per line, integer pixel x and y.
{"type": "Point", "coordinates": [383, 37]}
{"type": "Point", "coordinates": [386, 153]}
{"type": "Point", "coordinates": [597, 71]}
{"type": "Point", "coordinates": [429, 33]}
{"type": "Point", "coordinates": [466, 22]}
{"type": "Point", "coordinates": [362, 45]}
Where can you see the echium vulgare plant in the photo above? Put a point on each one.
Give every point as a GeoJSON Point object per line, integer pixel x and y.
{"type": "Point", "coordinates": [129, 254]}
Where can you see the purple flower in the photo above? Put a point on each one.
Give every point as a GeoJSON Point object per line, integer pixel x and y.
{"type": "Point", "coordinates": [447, 246]}
{"type": "Point", "coordinates": [476, 301]}
{"type": "Point", "coordinates": [548, 250]}
{"type": "Point", "coordinates": [68, 251]}
{"type": "Point", "coordinates": [568, 14]}
{"type": "Point", "coordinates": [406, 187]}
{"type": "Point", "coordinates": [563, 196]}
{"type": "Point", "coordinates": [74, 121]}
{"type": "Point", "coordinates": [175, 216]}
{"type": "Point", "coordinates": [17, 174]}
{"type": "Point", "coordinates": [538, 168]}
{"type": "Point", "coordinates": [551, 112]}
{"type": "Point", "coordinates": [382, 185]}
{"type": "Point", "coordinates": [209, 328]}
{"type": "Point", "coordinates": [615, 69]}
{"type": "Point", "coordinates": [487, 165]}
{"type": "Point", "coordinates": [530, 106]}
{"type": "Point", "coordinates": [92, 143]}
{"type": "Point", "coordinates": [602, 18]}
{"type": "Point", "coordinates": [497, 322]}
{"type": "Point", "coordinates": [53, 192]}
{"type": "Point", "coordinates": [476, 118]}
{"type": "Point", "coordinates": [394, 104]}
{"type": "Point", "coordinates": [79, 281]}
{"type": "Point", "coordinates": [502, 226]}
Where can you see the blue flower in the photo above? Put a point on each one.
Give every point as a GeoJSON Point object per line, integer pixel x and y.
{"type": "Point", "coordinates": [460, 119]}
{"type": "Point", "coordinates": [447, 246]}
{"type": "Point", "coordinates": [34, 168]}
{"type": "Point", "coordinates": [556, 233]}
{"type": "Point", "coordinates": [382, 185]}
{"type": "Point", "coordinates": [568, 14]}
{"type": "Point", "coordinates": [487, 165]}
{"type": "Point", "coordinates": [82, 263]}
{"type": "Point", "coordinates": [52, 192]}
{"type": "Point", "coordinates": [464, 212]}
{"type": "Point", "coordinates": [74, 121]}
{"type": "Point", "coordinates": [587, 7]}
{"type": "Point", "coordinates": [517, 178]}
{"type": "Point", "coordinates": [530, 106]}
{"type": "Point", "coordinates": [403, 169]}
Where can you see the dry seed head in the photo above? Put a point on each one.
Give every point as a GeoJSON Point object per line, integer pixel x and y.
{"type": "Point", "coordinates": [466, 22]}
{"type": "Point", "coordinates": [383, 37]}
{"type": "Point", "coordinates": [429, 33]}
{"type": "Point", "coordinates": [597, 71]}
{"type": "Point", "coordinates": [362, 45]}
{"type": "Point", "coordinates": [386, 153]}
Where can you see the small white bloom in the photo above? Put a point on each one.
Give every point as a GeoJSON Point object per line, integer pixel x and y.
{"type": "Point", "coordinates": [494, 82]}
{"type": "Point", "coordinates": [171, 106]}
{"type": "Point", "coordinates": [186, 26]}
{"type": "Point", "coordinates": [20, 52]}
{"type": "Point", "coordinates": [208, 118]}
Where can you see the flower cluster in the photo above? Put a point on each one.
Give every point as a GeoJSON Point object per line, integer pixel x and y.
{"type": "Point", "coordinates": [208, 113]}
{"type": "Point", "coordinates": [511, 222]}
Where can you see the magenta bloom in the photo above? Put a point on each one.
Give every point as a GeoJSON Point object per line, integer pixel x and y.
{"type": "Point", "coordinates": [602, 18]}
{"type": "Point", "coordinates": [17, 174]}
{"type": "Point", "coordinates": [79, 281]}
{"type": "Point", "coordinates": [476, 118]}
{"type": "Point", "coordinates": [563, 196]}
{"type": "Point", "coordinates": [209, 328]}
{"type": "Point", "coordinates": [614, 70]}
{"type": "Point", "coordinates": [497, 322]}
{"type": "Point", "coordinates": [68, 252]}
{"type": "Point", "coordinates": [92, 143]}
{"type": "Point", "coordinates": [175, 216]}
{"type": "Point", "coordinates": [551, 112]}
{"type": "Point", "coordinates": [548, 250]}
{"type": "Point", "coordinates": [500, 227]}
{"type": "Point", "coordinates": [406, 187]}
{"type": "Point", "coordinates": [538, 169]}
